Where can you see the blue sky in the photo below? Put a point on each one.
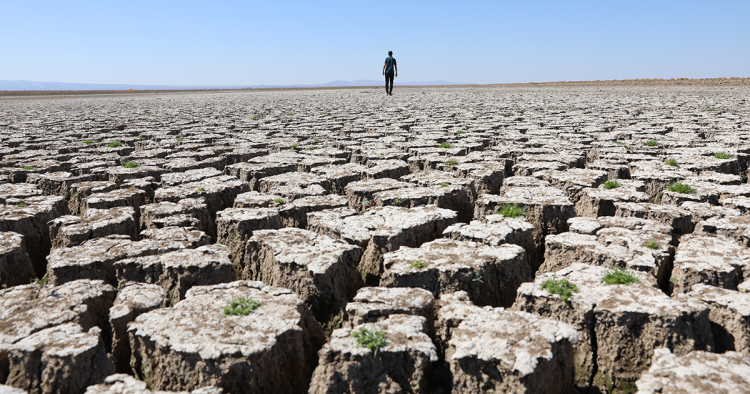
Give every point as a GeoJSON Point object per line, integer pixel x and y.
{"type": "Point", "coordinates": [305, 42]}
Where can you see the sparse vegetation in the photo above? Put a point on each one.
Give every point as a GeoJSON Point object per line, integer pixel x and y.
{"type": "Point", "coordinates": [397, 201]}
{"type": "Point", "coordinates": [279, 201]}
{"type": "Point", "coordinates": [131, 164]}
{"type": "Point", "coordinates": [460, 132]}
{"type": "Point", "coordinates": [652, 245]}
{"type": "Point", "coordinates": [21, 205]}
{"type": "Point", "coordinates": [563, 288]}
{"type": "Point", "coordinates": [477, 278]}
{"type": "Point", "coordinates": [115, 144]}
{"type": "Point", "coordinates": [418, 264]}
{"type": "Point", "coordinates": [255, 118]}
{"type": "Point", "coordinates": [511, 211]}
{"type": "Point", "coordinates": [451, 162]}
{"type": "Point", "coordinates": [89, 141]}
{"type": "Point", "coordinates": [681, 188]}
{"type": "Point", "coordinates": [672, 162]}
{"type": "Point", "coordinates": [316, 140]}
{"type": "Point", "coordinates": [294, 146]}
{"type": "Point", "coordinates": [723, 156]}
{"type": "Point", "coordinates": [651, 143]}
{"type": "Point", "coordinates": [372, 339]}
{"type": "Point", "coordinates": [27, 167]}
{"type": "Point", "coordinates": [620, 276]}
{"type": "Point", "coordinates": [180, 139]}
{"type": "Point", "coordinates": [41, 282]}
{"type": "Point", "coordinates": [444, 145]}
{"type": "Point", "coordinates": [313, 148]}
{"type": "Point", "coordinates": [612, 184]}
{"type": "Point", "coordinates": [241, 307]}
{"type": "Point", "coordinates": [366, 203]}
{"type": "Point", "coordinates": [202, 189]}
{"type": "Point", "coordinates": [673, 280]}
{"type": "Point", "coordinates": [444, 184]}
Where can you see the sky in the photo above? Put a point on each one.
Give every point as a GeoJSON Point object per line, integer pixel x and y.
{"type": "Point", "coordinates": [304, 42]}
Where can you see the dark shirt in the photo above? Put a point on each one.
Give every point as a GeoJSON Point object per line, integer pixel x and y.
{"type": "Point", "coordinates": [390, 61]}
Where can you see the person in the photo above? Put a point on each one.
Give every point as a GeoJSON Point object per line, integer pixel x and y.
{"type": "Point", "coordinates": [390, 70]}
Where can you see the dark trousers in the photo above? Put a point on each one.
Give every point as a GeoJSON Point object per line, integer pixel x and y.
{"type": "Point", "coordinates": [388, 78]}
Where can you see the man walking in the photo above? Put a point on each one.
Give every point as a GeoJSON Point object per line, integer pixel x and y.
{"type": "Point", "coordinates": [390, 70]}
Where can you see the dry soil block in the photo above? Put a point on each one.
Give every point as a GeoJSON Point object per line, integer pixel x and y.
{"type": "Point", "coordinates": [730, 317]}
{"type": "Point", "coordinates": [126, 384]}
{"type": "Point", "coordinates": [620, 325]}
{"type": "Point", "coordinates": [319, 269]}
{"type": "Point", "coordinates": [67, 231]}
{"type": "Point", "coordinates": [15, 264]}
{"type": "Point", "coordinates": [27, 309]}
{"type": "Point", "coordinates": [133, 299]}
{"type": "Point", "coordinates": [384, 229]}
{"type": "Point", "coordinates": [372, 304]}
{"type": "Point", "coordinates": [490, 275]}
{"type": "Point", "coordinates": [695, 372]}
{"type": "Point", "coordinates": [178, 271]}
{"type": "Point", "coordinates": [271, 350]}
{"type": "Point", "coordinates": [493, 350]}
{"type": "Point", "coordinates": [60, 359]}
{"type": "Point", "coordinates": [188, 212]}
{"type": "Point", "coordinates": [234, 226]}
{"type": "Point", "coordinates": [714, 261]}
{"type": "Point", "coordinates": [401, 366]}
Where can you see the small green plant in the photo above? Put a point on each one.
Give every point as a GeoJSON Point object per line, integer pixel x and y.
{"type": "Point", "coordinates": [21, 204]}
{"type": "Point", "coordinates": [180, 139]}
{"type": "Point", "coordinates": [289, 114]}
{"type": "Point", "coordinates": [673, 280]}
{"type": "Point", "coordinates": [672, 162]}
{"type": "Point", "coordinates": [444, 145]}
{"type": "Point", "coordinates": [612, 184]}
{"type": "Point", "coordinates": [592, 157]}
{"type": "Point", "coordinates": [444, 184]}
{"type": "Point", "coordinates": [41, 282]}
{"type": "Point", "coordinates": [316, 140]}
{"type": "Point", "coordinates": [89, 141]}
{"type": "Point", "coordinates": [511, 211]}
{"type": "Point", "coordinates": [312, 148]}
{"type": "Point", "coordinates": [234, 235]}
{"type": "Point", "coordinates": [131, 164]}
{"type": "Point", "coordinates": [294, 146]}
{"type": "Point", "coordinates": [279, 201]}
{"type": "Point", "coordinates": [620, 276]}
{"type": "Point", "coordinates": [723, 156]}
{"type": "Point", "coordinates": [115, 144]}
{"type": "Point", "coordinates": [372, 339]}
{"type": "Point", "coordinates": [710, 110]}
{"type": "Point", "coordinates": [27, 167]}
{"type": "Point", "coordinates": [563, 288]}
{"type": "Point", "coordinates": [451, 162]}
{"type": "Point", "coordinates": [57, 161]}
{"type": "Point", "coordinates": [477, 278]}
{"type": "Point", "coordinates": [397, 201]}
{"type": "Point", "coordinates": [382, 154]}
{"type": "Point", "coordinates": [241, 307]}
{"type": "Point", "coordinates": [460, 132]}
{"type": "Point", "coordinates": [681, 188]}
{"type": "Point", "coordinates": [418, 264]}
{"type": "Point", "coordinates": [651, 143]}
{"type": "Point", "coordinates": [255, 118]}
{"type": "Point", "coordinates": [652, 245]}
{"type": "Point", "coordinates": [202, 189]}
{"type": "Point", "coordinates": [75, 196]}
{"type": "Point", "coordinates": [366, 203]}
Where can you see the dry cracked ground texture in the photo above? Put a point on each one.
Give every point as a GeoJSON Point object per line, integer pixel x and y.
{"type": "Point", "coordinates": [451, 240]}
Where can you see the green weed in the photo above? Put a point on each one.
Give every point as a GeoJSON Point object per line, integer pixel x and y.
{"type": "Point", "coordinates": [180, 139]}
{"type": "Point", "coordinates": [652, 245]}
{"type": "Point", "coordinates": [620, 276]}
{"type": "Point", "coordinates": [672, 162]}
{"type": "Point", "coordinates": [451, 162]}
{"type": "Point", "coordinates": [241, 307]}
{"type": "Point", "coordinates": [279, 201]}
{"type": "Point", "coordinates": [27, 167]}
{"type": "Point", "coordinates": [397, 201]}
{"type": "Point", "coordinates": [89, 141]}
{"type": "Point", "coordinates": [651, 143]}
{"type": "Point", "coordinates": [681, 188]}
{"type": "Point", "coordinates": [444, 184]}
{"type": "Point", "coordinates": [115, 144]}
{"type": "Point", "coordinates": [612, 184]}
{"type": "Point", "coordinates": [202, 189]}
{"type": "Point", "coordinates": [511, 211]}
{"type": "Point", "coordinates": [444, 145]}
{"type": "Point", "coordinates": [294, 146]}
{"type": "Point", "coordinates": [723, 156]}
{"type": "Point", "coordinates": [418, 264]}
{"type": "Point", "coordinates": [21, 205]}
{"type": "Point", "coordinates": [131, 164]}
{"type": "Point", "coordinates": [371, 339]}
{"type": "Point", "coordinates": [563, 288]}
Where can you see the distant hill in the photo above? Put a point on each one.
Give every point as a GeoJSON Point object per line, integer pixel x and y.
{"type": "Point", "coordinates": [37, 85]}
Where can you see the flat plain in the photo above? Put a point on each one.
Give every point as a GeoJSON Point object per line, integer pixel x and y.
{"type": "Point", "coordinates": [443, 240]}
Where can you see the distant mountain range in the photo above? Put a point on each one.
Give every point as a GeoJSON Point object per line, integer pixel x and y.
{"type": "Point", "coordinates": [36, 85]}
